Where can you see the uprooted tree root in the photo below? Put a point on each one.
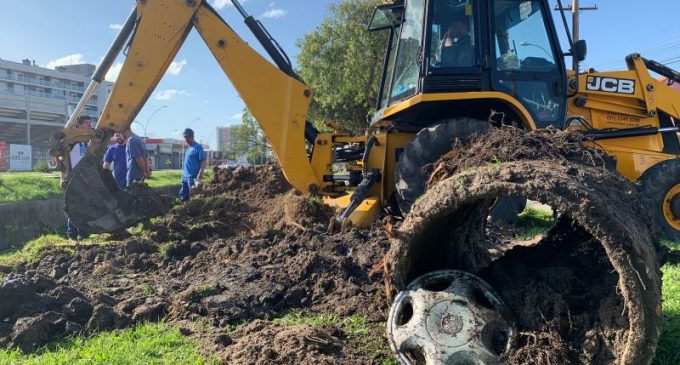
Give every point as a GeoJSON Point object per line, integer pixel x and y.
{"type": "Point", "coordinates": [589, 292]}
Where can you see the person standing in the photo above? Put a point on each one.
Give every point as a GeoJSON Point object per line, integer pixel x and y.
{"type": "Point", "coordinates": [136, 158]}
{"type": "Point", "coordinates": [77, 153]}
{"type": "Point", "coordinates": [194, 165]}
{"type": "Point", "coordinates": [117, 155]}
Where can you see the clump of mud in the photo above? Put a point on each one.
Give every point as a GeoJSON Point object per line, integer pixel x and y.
{"type": "Point", "coordinates": [510, 143]}
{"type": "Point", "coordinates": [272, 343]}
{"type": "Point", "coordinates": [249, 201]}
{"type": "Point", "coordinates": [589, 291]}
{"type": "Point", "coordinates": [245, 248]}
{"type": "Point", "coordinates": [35, 310]}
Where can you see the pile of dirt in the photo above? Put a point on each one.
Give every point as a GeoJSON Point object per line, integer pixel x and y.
{"type": "Point", "coordinates": [589, 292]}
{"type": "Point", "coordinates": [35, 309]}
{"type": "Point", "coordinates": [242, 200]}
{"type": "Point", "coordinates": [263, 342]}
{"type": "Point", "coordinates": [245, 248]}
{"type": "Point", "coordinates": [509, 143]}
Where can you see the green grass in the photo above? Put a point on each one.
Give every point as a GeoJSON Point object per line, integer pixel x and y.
{"type": "Point", "coordinates": [26, 186]}
{"type": "Point", "coordinates": [171, 177]}
{"type": "Point", "coordinates": [22, 186]}
{"type": "Point", "coordinates": [145, 344]}
{"type": "Point", "coordinates": [533, 222]}
{"type": "Point", "coordinates": [668, 350]}
{"type": "Point", "coordinates": [32, 250]}
{"type": "Point", "coordinates": [165, 178]}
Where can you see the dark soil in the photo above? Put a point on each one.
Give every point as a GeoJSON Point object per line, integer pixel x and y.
{"type": "Point", "coordinates": [247, 249]}
{"type": "Point", "coordinates": [589, 292]}
{"type": "Point", "coordinates": [244, 248]}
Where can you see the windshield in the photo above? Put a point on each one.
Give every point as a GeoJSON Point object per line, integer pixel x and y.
{"type": "Point", "coordinates": [521, 38]}
{"type": "Point", "coordinates": [406, 71]}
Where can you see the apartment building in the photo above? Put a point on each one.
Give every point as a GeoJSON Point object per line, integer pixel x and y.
{"type": "Point", "coordinates": [35, 101]}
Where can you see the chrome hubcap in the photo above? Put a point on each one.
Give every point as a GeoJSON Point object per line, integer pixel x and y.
{"type": "Point", "coordinates": [449, 317]}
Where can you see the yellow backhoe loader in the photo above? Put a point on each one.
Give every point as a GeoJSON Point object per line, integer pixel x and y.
{"type": "Point", "coordinates": [453, 68]}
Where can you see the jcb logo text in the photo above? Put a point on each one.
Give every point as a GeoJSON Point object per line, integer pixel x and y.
{"type": "Point", "coordinates": [610, 85]}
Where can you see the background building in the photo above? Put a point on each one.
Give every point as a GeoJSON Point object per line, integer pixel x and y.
{"type": "Point", "coordinates": [225, 138]}
{"type": "Point", "coordinates": [35, 102]}
{"type": "Point", "coordinates": [168, 153]}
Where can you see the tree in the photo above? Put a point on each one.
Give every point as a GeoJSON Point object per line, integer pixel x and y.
{"type": "Point", "coordinates": [342, 62]}
{"type": "Point", "coordinates": [249, 140]}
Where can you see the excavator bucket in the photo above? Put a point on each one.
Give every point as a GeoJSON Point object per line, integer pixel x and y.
{"type": "Point", "coordinates": [95, 204]}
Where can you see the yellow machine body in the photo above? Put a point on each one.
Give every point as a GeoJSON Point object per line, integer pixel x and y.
{"type": "Point", "coordinates": [279, 101]}
{"type": "Point", "coordinates": [641, 102]}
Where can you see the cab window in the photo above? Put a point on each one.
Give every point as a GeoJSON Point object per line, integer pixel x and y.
{"type": "Point", "coordinates": [452, 41]}
{"type": "Point", "coordinates": [521, 38]}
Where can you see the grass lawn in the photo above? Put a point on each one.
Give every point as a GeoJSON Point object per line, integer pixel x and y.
{"type": "Point", "coordinates": [668, 351]}
{"type": "Point", "coordinates": [144, 344]}
{"type": "Point", "coordinates": [165, 178]}
{"type": "Point", "coordinates": [22, 186]}
{"type": "Point", "coordinates": [32, 250]}
{"type": "Point", "coordinates": [25, 186]}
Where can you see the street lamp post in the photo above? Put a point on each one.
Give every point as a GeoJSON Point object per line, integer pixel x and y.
{"type": "Point", "coordinates": [146, 126]}
{"type": "Point", "coordinates": [193, 121]}
{"type": "Point", "coordinates": [140, 124]}
{"type": "Point", "coordinates": [203, 139]}
{"type": "Point", "coordinates": [527, 44]}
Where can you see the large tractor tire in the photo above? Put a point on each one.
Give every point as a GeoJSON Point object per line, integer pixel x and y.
{"type": "Point", "coordinates": [589, 292]}
{"type": "Point", "coordinates": [660, 187]}
{"type": "Point", "coordinates": [429, 145]}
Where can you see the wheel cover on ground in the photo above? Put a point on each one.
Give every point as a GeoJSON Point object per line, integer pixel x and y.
{"type": "Point", "coordinates": [670, 207]}
{"type": "Point", "coordinates": [448, 317]}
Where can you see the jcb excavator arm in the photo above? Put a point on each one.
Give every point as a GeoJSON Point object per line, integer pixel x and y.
{"type": "Point", "coordinates": [156, 30]}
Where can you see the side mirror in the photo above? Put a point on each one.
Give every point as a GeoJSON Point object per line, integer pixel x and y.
{"type": "Point", "coordinates": [580, 50]}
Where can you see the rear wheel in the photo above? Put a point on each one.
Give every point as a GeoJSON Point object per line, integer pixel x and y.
{"type": "Point", "coordinates": [660, 187]}
{"type": "Point", "coordinates": [428, 147]}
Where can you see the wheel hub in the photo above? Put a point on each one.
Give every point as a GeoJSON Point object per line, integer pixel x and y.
{"type": "Point", "coordinates": [449, 317]}
{"type": "Point", "coordinates": [452, 324]}
{"type": "Point", "coordinates": [675, 206]}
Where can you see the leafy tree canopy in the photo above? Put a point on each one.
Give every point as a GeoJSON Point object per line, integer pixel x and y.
{"type": "Point", "coordinates": [342, 63]}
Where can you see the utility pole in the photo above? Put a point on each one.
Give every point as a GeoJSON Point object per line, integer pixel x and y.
{"type": "Point", "coordinates": [575, 10]}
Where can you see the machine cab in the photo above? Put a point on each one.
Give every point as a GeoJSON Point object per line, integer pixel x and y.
{"type": "Point", "coordinates": [445, 50]}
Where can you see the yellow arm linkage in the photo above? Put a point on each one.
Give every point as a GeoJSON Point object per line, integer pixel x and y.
{"type": "Point", "coordinates": [278, 101]}
{"type": "Point", "coordinates": [158, 28]}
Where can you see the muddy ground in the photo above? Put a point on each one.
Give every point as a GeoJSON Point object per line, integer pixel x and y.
{"type": "Point", "coordinates": [247, 250]}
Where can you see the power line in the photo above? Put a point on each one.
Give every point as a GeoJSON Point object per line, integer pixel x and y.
{"type": "Point", "coordinates": [659, 51]}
